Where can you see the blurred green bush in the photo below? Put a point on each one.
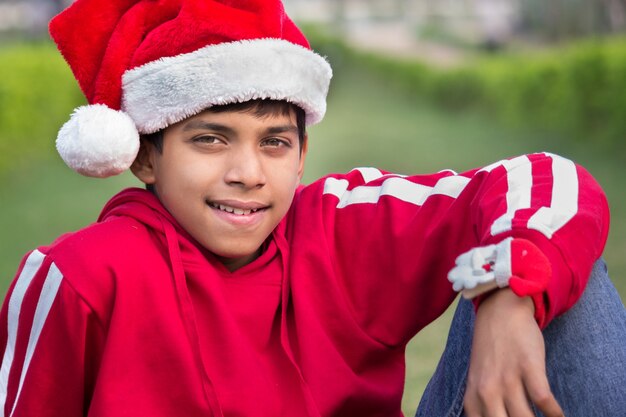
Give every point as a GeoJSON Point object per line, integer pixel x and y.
{"type": "Point", "coordinates": [575, 91]}
{"type": "Point", "coordinates": [37, 95]}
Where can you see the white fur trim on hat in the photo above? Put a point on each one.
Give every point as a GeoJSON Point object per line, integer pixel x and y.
{"type": "Point", "coordinates": [168, 90]}
{"type": "Point", "coordinates": [98, 141]}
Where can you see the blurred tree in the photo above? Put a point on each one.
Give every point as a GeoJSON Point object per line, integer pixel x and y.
{"type": "Point", "coordinates": [58, 5]}
{"type": "Point", "coordinates": [369, 9]}
{"type": "Point", "coordinates": [28, 18]}
{"type": "Point", "coordinates": [390, 9]}
{"type": "Point", "coordinates": [563, 19]}
{"type": "Point", "coordinates": [615, 12]}
{"type": "Point", "coordinates": [339, 11]}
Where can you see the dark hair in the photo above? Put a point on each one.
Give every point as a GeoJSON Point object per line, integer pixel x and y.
{"type": "Point", "coordinates": [259, 108]}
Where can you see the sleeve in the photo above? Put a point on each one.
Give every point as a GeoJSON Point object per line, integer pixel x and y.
{"type": "Point", "coordinates": [48, 343]}
{"type": "Point", "coordinates": [394, 238]}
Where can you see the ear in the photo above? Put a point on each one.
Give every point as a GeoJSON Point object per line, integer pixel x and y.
{"type": "Point", "coordinates": [143, 165]}
{"type": "Point", "coordinates": [303, 151]}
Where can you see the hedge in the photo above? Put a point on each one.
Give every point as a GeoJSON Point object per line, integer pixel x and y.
{"type": "Point", "coordinates": [577, 91]}
{"type": "Point", "coordinates": [37, 95]}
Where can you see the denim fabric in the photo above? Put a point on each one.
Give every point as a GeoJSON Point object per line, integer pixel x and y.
{"type": "Point", "coordinates": [585, 356]}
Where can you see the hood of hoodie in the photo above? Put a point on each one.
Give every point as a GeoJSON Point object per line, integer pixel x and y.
{"type": "Point", "coordinates": [143, 206]}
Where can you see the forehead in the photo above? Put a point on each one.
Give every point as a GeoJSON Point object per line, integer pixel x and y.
{"type": "Point", "coordinates": [236, 119]}
{"type": "Point", "coordinates": [258, 107]}
{"type": "Point", "coordinates": [241, 114]}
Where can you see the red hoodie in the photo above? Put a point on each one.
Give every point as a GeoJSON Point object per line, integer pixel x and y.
{"type": "Point", "coordinates": [131, 317]}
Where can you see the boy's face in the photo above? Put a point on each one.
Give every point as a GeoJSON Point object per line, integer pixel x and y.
{"type": "Point", "coordinates": [227, 178]}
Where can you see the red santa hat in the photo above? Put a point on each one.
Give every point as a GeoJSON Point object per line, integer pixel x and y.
{"type": "Point", "coordinates": [144, 65]}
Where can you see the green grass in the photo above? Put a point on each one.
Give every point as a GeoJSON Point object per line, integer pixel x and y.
{"type": "Point", "coordinates": [369, 123]}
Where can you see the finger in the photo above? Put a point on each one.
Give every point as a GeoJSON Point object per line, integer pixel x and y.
{"type": "Point", "coordinates": [541, 395]}
{"type": "Point", "coordinates": [494, 409]}
{"type": "Point", "coordinates": [548, 405]}
{"type": "Point", "coordinates": [471, 405]}
{"type": "Point", "coordinates": [517, 403]}
{"type": "Point", "coordinates": [484, 403]}
{"type": "Point", "coordinates": [486, 412]}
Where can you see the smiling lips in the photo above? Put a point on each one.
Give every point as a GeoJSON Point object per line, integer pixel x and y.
{"type": "Point", "coordinates": [241, 209]}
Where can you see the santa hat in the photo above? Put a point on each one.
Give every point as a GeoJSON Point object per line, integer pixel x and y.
{"type": "Point", "coordinates": [144, 65]}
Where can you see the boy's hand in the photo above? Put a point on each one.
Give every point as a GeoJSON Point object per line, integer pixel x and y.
{"type": "Point", "coordinates": [507, 364]}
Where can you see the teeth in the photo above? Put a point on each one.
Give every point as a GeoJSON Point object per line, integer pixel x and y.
{"type": "Point", "coordinates": [226, 208]}
{"type": "Point", "coordinates": [240, 212]}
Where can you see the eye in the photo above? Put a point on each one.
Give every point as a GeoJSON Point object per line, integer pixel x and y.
{"type": "Point", "coordinates": [207, 140]}
{"type": "Point", "coordinates": [276, 143]}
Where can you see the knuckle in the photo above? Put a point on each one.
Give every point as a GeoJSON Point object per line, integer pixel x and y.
{"type": "Point", "coordinates": [510, 381]}
{"type": "Point", "coordinates": [481, 390]}
{"type": "Point", "coordinates": [542, 397]}
{"type": "Point", "coordinates": [486, 390]}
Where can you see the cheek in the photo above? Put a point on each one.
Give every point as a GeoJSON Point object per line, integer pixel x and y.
{"type": "Point", "coordinates": [287, 185]}
{"type": "Point", "coordinates": [188, 173]}
{"type": "Point", "coordinates": [286, 172]}
{"type": "Point", "coordinates": [178, 189]}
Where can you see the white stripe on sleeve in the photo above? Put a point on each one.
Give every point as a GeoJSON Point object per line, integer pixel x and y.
{"type": "Point", "coordinates": [46, 298]}
{"type": "Point", "coordinates": [369, 174]}
{"type": "Point", "coordinates": [564, 203]}
{"type": "Point", "coordinates": [397, 187]}
{"type": "Point", "coordinates": [335, 187]}
{"type": "Point", "coordinates": [31, 266]}
{"type": "Point", "coordinates": [518, 196]}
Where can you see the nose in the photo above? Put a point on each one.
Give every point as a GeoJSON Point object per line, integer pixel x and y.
{"type": "Point", "coordinates": [245, 169]}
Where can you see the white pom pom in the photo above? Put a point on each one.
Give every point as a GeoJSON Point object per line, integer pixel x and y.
{"type": "Point", "coordinates": [98, 141]}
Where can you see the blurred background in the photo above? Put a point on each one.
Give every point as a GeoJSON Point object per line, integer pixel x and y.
{"type": "Point", "coordinates": [419, 86]}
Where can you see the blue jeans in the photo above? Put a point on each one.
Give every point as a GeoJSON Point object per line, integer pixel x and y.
{"type": "Point", "coordinates": [585, 357]}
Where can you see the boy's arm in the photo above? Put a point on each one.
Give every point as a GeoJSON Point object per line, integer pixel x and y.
{"type": "Point", "coordinates": [47, 335]}
{"type": "Point", "coordinates": [400, 235]}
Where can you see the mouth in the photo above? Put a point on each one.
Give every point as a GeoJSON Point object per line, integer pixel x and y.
{"type": "Point", "coordinates": [239, 209]}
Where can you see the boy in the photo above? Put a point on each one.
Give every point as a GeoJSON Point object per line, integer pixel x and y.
{"type": "Point", "coordinates": [228, 289]}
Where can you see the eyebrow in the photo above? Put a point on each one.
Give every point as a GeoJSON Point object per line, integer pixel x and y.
{"type": "Point", "coordinates": [203, 125]}
{"type": "Point", "coordinates": [282, 129]}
